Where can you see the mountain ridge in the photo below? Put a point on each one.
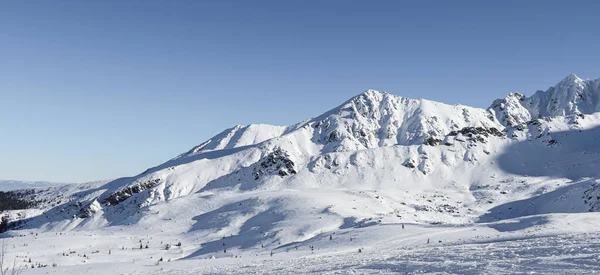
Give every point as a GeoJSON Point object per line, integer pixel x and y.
{"type": "Point", "coordinates": [514, 114]}
{"type": "Point", "coordinates": [376, 158]}
{"type": "Point", "coordinates": [570, 96]}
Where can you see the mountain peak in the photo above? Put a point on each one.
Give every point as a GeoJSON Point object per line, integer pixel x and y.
{"type": "Point", "coordinates": [572, 95]}
{"type": "Point", "coordinates": [371, 94]}
{"type": "Point", "coordinates": [571, 78]}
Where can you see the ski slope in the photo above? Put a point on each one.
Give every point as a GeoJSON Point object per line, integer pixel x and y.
{"type": "Point", "coordinates": [555, 243]}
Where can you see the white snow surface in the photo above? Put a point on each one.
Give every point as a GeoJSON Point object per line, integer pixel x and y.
{"type": "Point", "coordinates": [417, 186]}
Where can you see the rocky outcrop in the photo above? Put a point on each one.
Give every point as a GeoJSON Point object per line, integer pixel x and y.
{"type": "Point", "coordinates": [591, 197]}
{"type": "Point", "coordinates": [277, 162]}
{"type": "Point", "coordinates": [126, 192]}
{"type": "Point", "coordinates": [90, 209]}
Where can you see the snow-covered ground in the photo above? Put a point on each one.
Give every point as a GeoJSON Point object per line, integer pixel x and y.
{"type": "Point", "coordinates": [546, 244]}
{"type": "Point", "coordinates": [417, 186]}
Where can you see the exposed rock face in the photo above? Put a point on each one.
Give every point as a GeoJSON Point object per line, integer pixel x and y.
{"type": "Point", "coordinates": [277, 162]}
{"type": "Point", "coordinates": [90, 209]}
{"type": "Point", "coordinates": [410, 163]}
{"type": "Point", "coordinates": [123, 194]}
{"type": "Point", "coordinates": [431, 141]}
{"type": "Point", "coordinates": [591, 197]}
{"type": "Point", "coordinates": [479, 134]}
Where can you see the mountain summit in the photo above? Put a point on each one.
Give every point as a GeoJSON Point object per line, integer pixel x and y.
{"type": "Point", "coordinates": [571, 96]}
{"type": "Point", "coordinates": [375, 119]}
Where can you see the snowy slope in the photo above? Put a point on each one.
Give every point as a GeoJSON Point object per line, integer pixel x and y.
{"type": "Point", "coordinates": [238, 136]}
{"type": "Point", "coordinates": [327, 152]}
{"type": "Point", "coordinates": [376, 161]}
{"type": "Point", "coordinates": [546, 244]}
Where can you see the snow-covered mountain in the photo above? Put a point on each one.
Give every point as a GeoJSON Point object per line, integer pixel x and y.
{"type": "Point", "coordinates": [376, 159]}
{"type": "Point", "coordinates": [571, 96]}
{"type": "Point", "coordinates": [375, 119]}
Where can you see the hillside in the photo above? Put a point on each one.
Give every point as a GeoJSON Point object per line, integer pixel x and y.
{"type": "Point", "coordinates": [376, 161]}
{"type": "Point", "coordinates": [8, 185]}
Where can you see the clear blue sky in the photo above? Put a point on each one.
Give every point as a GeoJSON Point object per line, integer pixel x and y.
{"type": "Point", "coordinates": [95, 90]}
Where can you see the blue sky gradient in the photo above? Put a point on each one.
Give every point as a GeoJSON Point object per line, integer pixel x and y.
{"type": "Point", "coordinates": [102, 89]}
